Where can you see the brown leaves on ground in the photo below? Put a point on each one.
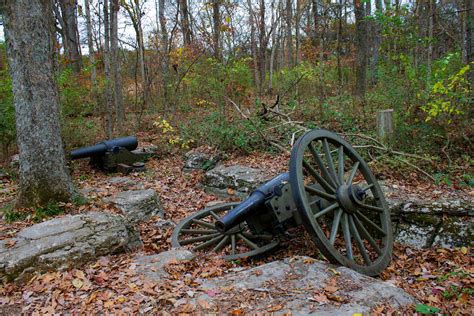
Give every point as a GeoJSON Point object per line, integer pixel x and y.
{"type": "Point", "coordinates": [440, 278]}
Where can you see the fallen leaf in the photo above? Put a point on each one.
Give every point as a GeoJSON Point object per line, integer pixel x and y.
{"type": "Point", "coordinates": [78, 283]}
{"type": "Point", "coordinates": [204, 304]}
{"type": "Point", "coordinates": [274, 308]}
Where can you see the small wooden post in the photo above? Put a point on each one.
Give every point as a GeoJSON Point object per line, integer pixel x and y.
{"type": "Point", "coordinates": [385, 125]}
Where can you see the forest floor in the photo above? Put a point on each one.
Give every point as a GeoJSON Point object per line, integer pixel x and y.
{"type": "Point", "coordinates": [437, 277]}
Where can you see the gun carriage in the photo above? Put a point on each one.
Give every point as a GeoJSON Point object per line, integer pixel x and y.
{"type": "Point", "coordinates": [117, 154]}
{"type": "Point", "coordinates": [329, 189]}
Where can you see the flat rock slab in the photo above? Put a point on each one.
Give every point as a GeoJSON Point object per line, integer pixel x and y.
{"type": "Point", "coordinates": [153, 267]}
{"type": "Point", "coordinates": [295, 283]}
{"type": "Point", "coordinates": [138, 205]}
{"type": "Point", "coordinates": [65, 242]}
{"type": "Point", "coordinates": [237, 180]}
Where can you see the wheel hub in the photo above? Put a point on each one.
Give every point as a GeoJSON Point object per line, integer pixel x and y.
{"type": "Point", "coordinates": [348, 196]}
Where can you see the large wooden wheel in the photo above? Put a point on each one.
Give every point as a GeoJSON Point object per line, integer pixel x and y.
{"type": "Point", "coordinates": [350, 222]}
{"type": "Point", "coordinates": [199, 232]}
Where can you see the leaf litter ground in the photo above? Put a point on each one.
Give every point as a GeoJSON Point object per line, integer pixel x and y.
{"type": "Point", "coordinates": [437, 277]}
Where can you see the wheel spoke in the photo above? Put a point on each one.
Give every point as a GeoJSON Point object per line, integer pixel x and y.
{"type": "Point", "coordinates": [198, 231]}
{"type": "Point", "coordinates": [370, 223]}
{"type": "Point", "coordinates": [368, 187]}
{"type": "Point", "coordinates": [367, 236]}
{"type": "Point", "coordinates": [321, 165]}
{"type": "Point", "coordinates": [340, 161]}
{"type": "Point", "coordinates": [317, 177]}
{"type": "Point", "coordinates": [360, 243]}
{"type": "Point", "coordinates": [232, 242]}
{"type": "Point", "coordinates": [327, 153]}
{"type": "Point", "coordinates": [197, 239]}
{"type": "Point", "coordinates": [204, 224]}
{"type": "Point", "coordinates": [347, 236]}
{"type": "Point", "coordinates": [320, 193]}
{"type": "Point", "coordinates": [353, 173]}
{"type": "Point", "coordinates": [221, 244]}
{"type": "Point", "coordinates": [247, 241]}
{"type": "Point", "coordinates": [335, 226]}
{"type": "Point", "coordinates": [209, 242]}
{"type": "Point", "coordinates": [216, 217]}
{"type": "Point", "coordinates": [370, 207]}
{"type": "Point", "coordinates": [326, 210]}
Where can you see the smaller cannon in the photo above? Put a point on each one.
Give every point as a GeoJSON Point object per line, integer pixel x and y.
{"type": "Point", "coordinates": [329, 190]}
{"type": "Point", "coordinates": [113, 155]}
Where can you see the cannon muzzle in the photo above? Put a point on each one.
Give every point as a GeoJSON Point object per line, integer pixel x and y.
{"type": "Point", "coordinates": [253, 203]}
{"type": "Point", "coordinates": [129, 142]}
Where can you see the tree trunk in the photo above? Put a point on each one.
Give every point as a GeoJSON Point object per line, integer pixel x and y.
{"type": "Point", "coordinates": [185, 24]}
{"type": "Point", "coordinates": [216, 17]}
{"type": "Point", "coordinates": [163, 48]}
{"type": "Point", "coordinates": [262, 52]}
{"type": "Point", "coordinates": [108, 78]}
{"type": "Point", "coordinates": [44, 176]}
{"type": "Point", "coordinates": [299, 12]}
{"type": "Point", "coordinates": [469, 41]}
{"type": "Point", "coordinates": [72, 46]}
{"type": "Point", "coordinates": [289, 37]}
{"type": "Point", "coordinates": [315, 23]}
{"type": "Point", "coordinates": [90, 45]}
{"type": "Point", "coordinates": [115, 65]}
{"type": "Point", "coordinates": [376, 44]}
{"type": "Point", "coordinates": [430, 43]}
{"type": "Point", "coordinates": [338, 44]}
{"type": "Point", "coordinates": [361, 51]}
{"type": "Point", "coordinates": [253, 44]}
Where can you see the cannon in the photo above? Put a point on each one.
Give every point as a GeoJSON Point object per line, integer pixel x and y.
{"type": "Point", "coordinates": [117, 154]}
{"type": "Point", "coordinates": [329, 190]}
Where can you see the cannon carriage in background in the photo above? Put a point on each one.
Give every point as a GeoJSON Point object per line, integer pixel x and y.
{"type": "Point", "coordinates": [329, 189]}
{"type": "Point", "coordinates": [117, 154]}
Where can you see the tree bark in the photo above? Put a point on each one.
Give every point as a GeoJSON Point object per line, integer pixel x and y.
{"type": "Point", "coordinates": [90, 45]}
{"type": "Point", "coordinates": [253, 44]}
{"type": "Point", "coordinates": [262, 52]}
{"type": "Point", "coordinates": [108, 78]}
{"type": "Point", "coordinates": [469, 42]}
{"type": "Point", "coordinates": [44, 176]}
{"type": "Point", "coordinates": [72, 46]}
{"type": "Point", "coordinates": [216, 17]}
{"type": "Point", "coordinates": [376, 44]}
{"type": "Point", "coordinates": [299, 12]}
{"type": "Point", "coordinates": [115, 65]}
{"type": "Point", "coordinates": [361, 51]}
{"type": "Point", "coordinates": [289, 35]}
{"type": "Point", "coordinates": [185, 24]}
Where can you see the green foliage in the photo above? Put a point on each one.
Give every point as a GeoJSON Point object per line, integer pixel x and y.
{"type": "Point", "coordinates": [449, 96]}
{"type": "Point", "coordinates": [214, 129]}
{"type": "Point", "coordinates": [7, 110]}
{"type": "Point", "coordinates": [37, 215]}
{"type": "Point", "coordinates": [426, 309]}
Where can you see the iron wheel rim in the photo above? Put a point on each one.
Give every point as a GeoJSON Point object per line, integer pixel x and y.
{"type": "Point", "coordinates": [241, 237]}
{"type": "Point", "coordinates": [352, 220]}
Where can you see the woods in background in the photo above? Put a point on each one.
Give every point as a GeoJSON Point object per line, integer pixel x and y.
{"type": "Point", "coordinates": [221, 70]}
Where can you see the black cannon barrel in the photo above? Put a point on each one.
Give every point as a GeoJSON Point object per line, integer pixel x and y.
{"type": "Point", "coordinates": [255, 201]}
{"type": "Point", "coordinates": [129, 142]}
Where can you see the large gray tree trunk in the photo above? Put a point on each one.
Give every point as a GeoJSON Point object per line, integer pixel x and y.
{"type": "Point", "coordinates": [289, 35]}
{"type": "Point", "coordinates": [43, 173]}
